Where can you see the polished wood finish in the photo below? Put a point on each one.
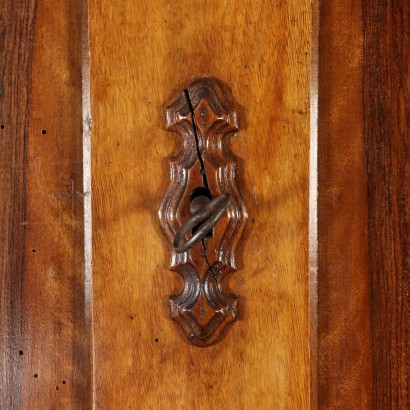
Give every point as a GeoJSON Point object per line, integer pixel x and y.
{"type": "Point", "coordinates": [344, 333]}
{"type": "Point", "coordinates": [138, 64]}
{"type": "Point", "coordinates": [364, 304]}
{"type": "Point", "coordinates": [387, 141]}
{"type": "Point", "coordinates": [203, 116]}
{"type": "Point", "coordinates": [262, 51]}
{"type": "Point", "coordinates": [44, 337]}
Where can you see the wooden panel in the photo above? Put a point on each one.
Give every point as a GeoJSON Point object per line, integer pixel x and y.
{"type": "Point", "coordinates": [387, 125]}
{"type": "Point", "coordinates": [345, 365]}
{"type": "Point", "coordinates": [141, 56]}
{"type": "Point", "coordinates": [44, 339]}
{"type": "Point", "coordinates": [364, 304]}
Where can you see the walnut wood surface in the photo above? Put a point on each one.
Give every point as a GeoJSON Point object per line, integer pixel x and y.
{"type": "Point", "coordinates": [364, 303]}
{"type": "Point", "coordinates": [344, 335]}
{"type": "Point", "coordinates": [387, 138]}
{"type": "Point", "coordinates": [142, 54]}
{"type": "Point", "coordinates": [44, 343]}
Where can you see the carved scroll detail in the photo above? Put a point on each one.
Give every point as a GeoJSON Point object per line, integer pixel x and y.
{"type": "Point", "coordinates": [203, 308]}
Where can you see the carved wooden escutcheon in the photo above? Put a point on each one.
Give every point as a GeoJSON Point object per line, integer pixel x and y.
{"type": "Point", "coordinates": [203, 167]}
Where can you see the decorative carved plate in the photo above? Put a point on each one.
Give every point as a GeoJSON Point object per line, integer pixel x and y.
{"type": "Point", "coordinates": [202, 308]}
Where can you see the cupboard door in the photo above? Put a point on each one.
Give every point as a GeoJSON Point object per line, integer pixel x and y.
{"type": "Point", "coordinates": [76, 338]}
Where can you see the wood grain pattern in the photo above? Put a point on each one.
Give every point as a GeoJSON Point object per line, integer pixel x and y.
{"type": "Point", "coordinates": [364, 304]}
{"type": "Point", "coordinates": [262, 50]}
{"type": "Point", "coordinates": [43, 334]}
{"type": "Point", "coordinates": [387, 126]}
{"type": "Point", "coordinates": [344, 334]}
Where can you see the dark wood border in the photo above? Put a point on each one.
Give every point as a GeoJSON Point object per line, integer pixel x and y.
{"type": "Point", "coordinates": [19, 19]}
{"type": "Point", "coordinates": [387, 141]}
{"type": "Point", "coordinates": [344, 334]}
{"type": "Point", "coordinates": [364, 303]}
{"type": "Point", "coordinates": [45, 316]}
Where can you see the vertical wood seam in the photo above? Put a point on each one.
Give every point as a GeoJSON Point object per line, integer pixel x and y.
{"type": "Point", "coordinates": [87, 189]}
{"type": "Point", "coordinates": [313, 210]}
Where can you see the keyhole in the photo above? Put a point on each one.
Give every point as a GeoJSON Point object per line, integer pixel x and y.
{"type": "Point", "coordinates": [201, 191]}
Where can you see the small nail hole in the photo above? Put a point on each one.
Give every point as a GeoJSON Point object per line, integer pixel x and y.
{"type": "Point", "coordinates": [33, 250]}
{"type": "Point", "coordinates": [57, 388]}
{"type": "Point", "coordinates": [2, 126]}
{"type": "Point", "coordinates": [156, 340]}
{"type": "Point", "coordinates": [44, 132]}
{"type": "Point", "coordinates": [35, 375]}
{"type": "Point", "coordinates": [63, 382]}
{"type": "Point", "coordinates": [20, 352]}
